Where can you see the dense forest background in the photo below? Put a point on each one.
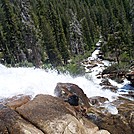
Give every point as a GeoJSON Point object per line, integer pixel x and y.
{"type": "Point", "coordinates": [52, 32]}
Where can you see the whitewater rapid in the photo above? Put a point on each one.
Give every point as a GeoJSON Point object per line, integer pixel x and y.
{"type": "Point", "coordinates": [31, 81]}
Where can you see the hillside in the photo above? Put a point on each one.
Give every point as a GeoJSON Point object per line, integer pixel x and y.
{"type": "Point", "coordinates": [53, 31]}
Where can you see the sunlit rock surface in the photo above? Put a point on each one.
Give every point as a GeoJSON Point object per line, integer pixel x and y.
{"type": "Point", "coordinates": [16, 101]}
{"type": "Point", "coordinates": [54, 116]}
{"type": "Point", "coordinates": [12, 123]}
{"type": "Point", "coordinates": [51, 115]}
{"type": "Point", "coordinates": [45, 114]}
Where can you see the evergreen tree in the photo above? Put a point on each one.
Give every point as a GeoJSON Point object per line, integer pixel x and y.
{"type": "Point", "coordinates": [76, 36]}
{"type": "Point", "coordinates": [58, 31]}
{"type": "Point", "coordinates": [31, 33]}
{"type": "Point", "coordinates": [62, 43]}
{"type": "Point", "coordinates": [10, 26]}
{"type": "Point", "coordinates": [50, 44]}
{"type": "Point", "coordinates": [48, 38]}
{"type": "Point", "coordinates": [58, 28]}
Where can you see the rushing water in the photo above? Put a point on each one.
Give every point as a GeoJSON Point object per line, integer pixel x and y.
{"type": "Point", "coordinates": [30, 81]}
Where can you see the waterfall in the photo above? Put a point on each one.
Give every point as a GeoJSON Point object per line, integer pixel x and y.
{"type": "Point", "coordinates": [30, 81]}
{"type": "Point", "coordinates": [33, 81]}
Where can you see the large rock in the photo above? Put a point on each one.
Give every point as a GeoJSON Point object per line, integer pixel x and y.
{"type": "Point", "coordinates": [12, 123]}
{"type": "Point", "coordinates": [54, 116]}
{"type": "Point", "coordinates": [62, 90]}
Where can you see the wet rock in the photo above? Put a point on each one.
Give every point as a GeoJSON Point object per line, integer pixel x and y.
{"type": "Point", "coordinates": [120, 123]}
{"type": "Point", "coordinates": [111, 88]}
{"type": "Point", "coordinates": [107, 85]}
{"type": "Point", "coordinates": [91, 63]}
{"type": "Point", "coordinates": [114, 74]}
{"type": "Point", "coordinates": [105, 82]}
{"type": "Point", "coordinates": [97, 100]}
{"type": "Point", "coordinates": [12, 123]}
{"type": "Point", "coordinates": [63, 90]}
{"type": "Point", "coordinates": [129, 95]}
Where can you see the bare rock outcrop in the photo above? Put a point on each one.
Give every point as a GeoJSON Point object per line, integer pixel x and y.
{"type": "Point", "coordinates": [46, 114]}
{"type": "Point", "coordinates": [54, 116]}
{"type": "Point", "coordinates": [12, 123]}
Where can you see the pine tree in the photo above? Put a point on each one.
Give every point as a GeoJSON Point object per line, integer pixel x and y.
{"type": "Point", "coordinates": [76, 36]}
{"type": "Point", "coordinates": [49, 43]}
{"type": "Point", "coordinates": [2, 40]}
{"type": "Point", "coordinates": [63, 49]}
{"type": "Point", "coordinates": [10, 26]}
{"type": "Point", "coordinates": [31, 33]}
{"type": "Point", "coordinates": [58, 28]}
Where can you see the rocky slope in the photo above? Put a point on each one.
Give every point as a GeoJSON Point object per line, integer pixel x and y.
{"type": "Point", "coordinates": [53, 115]}
{"type": "Point", "coordinates": [64, 114]}
{"type": "Point", "coordinates": [44, 114]}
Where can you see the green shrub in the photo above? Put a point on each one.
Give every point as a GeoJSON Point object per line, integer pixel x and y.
{"type": "Point", "coordinates": [124, 57]}
{"type": "Point", "coordinates": [123, 66]}
{"type": "Point", "coordinates": [75, 69]}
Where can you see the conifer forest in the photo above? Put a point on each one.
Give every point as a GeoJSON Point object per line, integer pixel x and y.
{"type": "Point", "coordinates": [55, 31]}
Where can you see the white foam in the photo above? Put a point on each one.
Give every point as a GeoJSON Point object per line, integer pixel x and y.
{"type": "Point", "coordinates": [95, 54]}
{"type": "Point", "coordinates": [111, 108]}
{"type": "Point", "coordinates": [30, 81]}
{"type": "Point", "coordinates": [14, 81]}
